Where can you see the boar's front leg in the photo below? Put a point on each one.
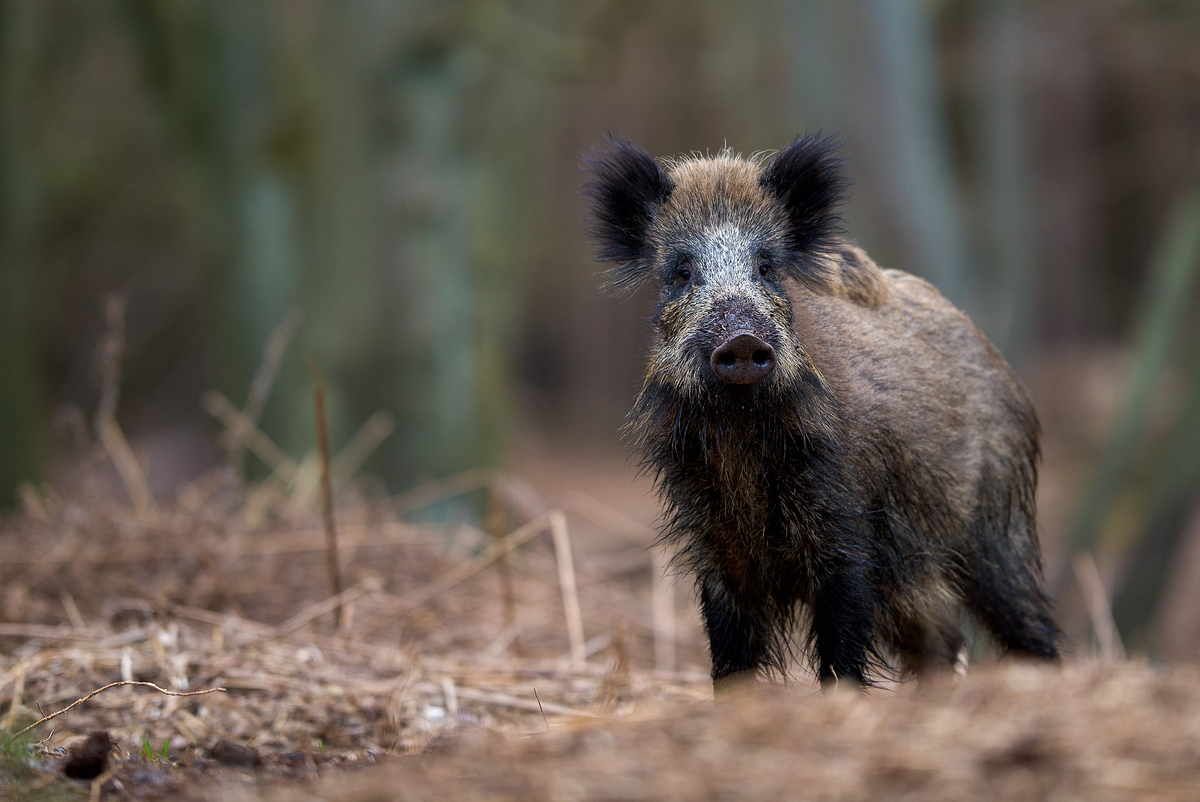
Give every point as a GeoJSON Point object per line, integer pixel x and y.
{"type": "Point", "coordinates": [843, 624]}
{"type": "Point", "coordinates": [740, 633]}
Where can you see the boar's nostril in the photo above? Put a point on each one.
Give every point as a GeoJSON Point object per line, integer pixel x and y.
{"type": "Point", "coordinates": [743, 359]}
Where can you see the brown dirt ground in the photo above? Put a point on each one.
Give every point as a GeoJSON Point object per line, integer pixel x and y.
{"type": "Point", "coordinates": [437, 700]}
{"type": "Point", "coordinates": [1085, 732]}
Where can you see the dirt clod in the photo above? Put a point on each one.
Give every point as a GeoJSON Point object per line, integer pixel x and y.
{"type": "Point", "coordinates": [227, 753]}
{"type": "Point", "coordinates": [88, 759]}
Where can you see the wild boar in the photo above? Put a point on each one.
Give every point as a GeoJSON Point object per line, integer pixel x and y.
{"type": "Point", "coordinates": [844, 460]}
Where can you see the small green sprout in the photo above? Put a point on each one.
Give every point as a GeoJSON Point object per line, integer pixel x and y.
{"type": "Point", "coordinates": [151, 756]}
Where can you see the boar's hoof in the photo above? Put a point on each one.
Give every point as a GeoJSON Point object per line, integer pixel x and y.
{"type": "Point", "coordinates": [735, 683]}
{"type": "Point", "coordinates": [832, 683]}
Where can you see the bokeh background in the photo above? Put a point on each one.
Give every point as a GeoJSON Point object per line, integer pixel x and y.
{"type": "Point", "coordinates": [396, 182]}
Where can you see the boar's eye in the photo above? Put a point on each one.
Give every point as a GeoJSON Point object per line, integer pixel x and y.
{"type": "Point", "coordinates": [764, 265]}
{"type": "Point", "coordinates": [683, 269]}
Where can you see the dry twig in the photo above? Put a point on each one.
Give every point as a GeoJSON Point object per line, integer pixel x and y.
{"type": "Point", "coordinates": [570, 589]}
{"type": "Point", "coordinates": [611, 520]}
{"type": "Point", "coordinates": [662, 610]}
{"type": "Point", "coordinates": [264, 377]}
{"type": "Point", "coordinates": [96, 789]}
{"type": "Point", "coordinates": [662, 590]}
{"type": "Point", "coordinates": [463, 571]}
{"type": "Point", "coordinates": [508, 599]}
{"type": "Point", "coordinates": [126, 682]}
{"type": "Point", "coordinates": [432, 492]}
{"type": "Point", "coordinates": [1099, 608]}
{"type": "Point", "coordinates": [541, 710]}
{"type": "Point", "coordinates": [236, 437]}
{"type": "Point", "coordinates": [331, 554]}
{"type": "Point", "coordinates": [105, 421]}
{"type": "Point", "coordinates": [234, 420]}
{"type": "Point", "coordinates": [370, 436]}
{"type": "Point", "coordinates": [335, 602]}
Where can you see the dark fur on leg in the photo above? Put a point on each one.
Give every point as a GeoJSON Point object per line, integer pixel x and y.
{"type": "Point", "coordinates": [843, 625]}
{"type": "Point", "coordinates": [741, 634]}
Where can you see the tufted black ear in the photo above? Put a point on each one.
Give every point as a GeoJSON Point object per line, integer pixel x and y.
{"type": "Point", "coordinates": [628, 189]}
{"type": "Point", "coordinates": [807, 179]}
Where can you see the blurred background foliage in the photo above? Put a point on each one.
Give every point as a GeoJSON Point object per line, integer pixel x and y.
{"type": "Point", "coordinates": [403, 174]}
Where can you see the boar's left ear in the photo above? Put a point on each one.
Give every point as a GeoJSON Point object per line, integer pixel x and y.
{"type": "Point", "coordinates": [628, 190]}
{"type": "Point", "coordinates": [806, 177]}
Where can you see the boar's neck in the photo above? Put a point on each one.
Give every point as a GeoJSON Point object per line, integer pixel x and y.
{"type": "Point", "coordinates": [721, 467]}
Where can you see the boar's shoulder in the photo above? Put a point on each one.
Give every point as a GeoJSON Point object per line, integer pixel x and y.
{"type": "Point", "coordinates": [915, 377]}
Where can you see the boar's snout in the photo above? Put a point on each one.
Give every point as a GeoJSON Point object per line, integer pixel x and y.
{"type": "Point", "coordinates": [743, 359]}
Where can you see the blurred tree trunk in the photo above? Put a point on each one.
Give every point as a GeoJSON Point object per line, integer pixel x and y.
{"type": "Point", "coordinates": [324, 140]}
{"type": "Point", "coordinates": [379, 185]}
{"type": "Point", "coordinates": [1007, 219]}
{"type": "Point", "coordinates": [21, 397]}
{"type": "Point", "coordinates": [1172, 494]}
{"type": "Point", "coordinates": [207, 63]}
{"type": "Point", "coordinates": [1175, 273]}
{"type": "Point", "coordinates": [428, 368]}
{"type": "Point", "coordinates": [911, 130]}
{"type": "Point", "coordinates": [515, 104]}
{"type": "Point", "coordinates": [828, 68]}
{"type": "Point", "coordinates": [467, 125]}
{"type": "Point", "coordinates": [815, 59]}
{"type": "Point", "coordinates": [881, 56]}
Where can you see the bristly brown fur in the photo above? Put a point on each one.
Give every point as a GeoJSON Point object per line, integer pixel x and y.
{"type": "Point", "coordinates": [857, 278]}
{"type": "Point", "coordinates": [878, 480]}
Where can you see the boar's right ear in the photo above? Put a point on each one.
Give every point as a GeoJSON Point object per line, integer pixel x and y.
{"type": "Point", "coordinates": [628, 189]}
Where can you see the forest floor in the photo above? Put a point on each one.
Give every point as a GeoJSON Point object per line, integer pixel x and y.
{"type": "Point", "coordinates": [544, 654]}
{"type": "Point", "coordinates": [454, 666]}
{"type": "Point", "coordinates": [236, 654]}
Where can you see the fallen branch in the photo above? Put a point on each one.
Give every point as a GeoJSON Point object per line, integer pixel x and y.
{"type": "Point", "coordinates": [83, 699]}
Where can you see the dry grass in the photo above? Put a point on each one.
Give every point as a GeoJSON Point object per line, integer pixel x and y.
{"type": "Point", "coordinates": [193, 594]}
{"type": "Point", "coordinates": [189, 597]}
